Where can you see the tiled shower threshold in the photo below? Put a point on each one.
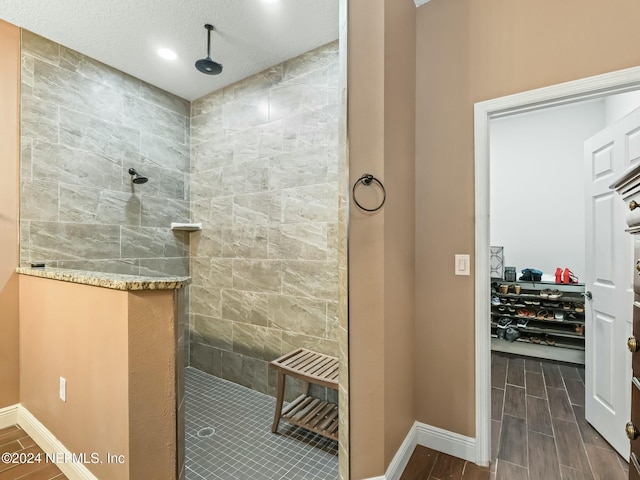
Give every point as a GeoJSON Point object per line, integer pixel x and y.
{"type": "Point", "coordinates": [228, 436]}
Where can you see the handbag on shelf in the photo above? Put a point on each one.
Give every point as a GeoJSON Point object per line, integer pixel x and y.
{"type": "Point", "coordinates": [531, 275]}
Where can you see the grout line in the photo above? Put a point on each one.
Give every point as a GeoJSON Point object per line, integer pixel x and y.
{"type": "Point", "coordinates": [435, 460]}
{"type": "Point", "coordinates": [526, 425]}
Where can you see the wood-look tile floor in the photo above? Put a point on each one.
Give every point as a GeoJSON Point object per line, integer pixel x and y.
{"type": "Point", "coordinates": [15, 440]}
{"type": "Point", "coordinates": [427, 464]}
{"type": "Point", "coordinates": [538, 430]}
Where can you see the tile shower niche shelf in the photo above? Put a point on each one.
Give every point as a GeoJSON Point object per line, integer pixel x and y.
{"type": "Point", "coordinates": [186, 227]}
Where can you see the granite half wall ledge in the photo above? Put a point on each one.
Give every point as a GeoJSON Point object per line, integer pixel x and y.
{"type": "Point", "coordinates": [114, 281]}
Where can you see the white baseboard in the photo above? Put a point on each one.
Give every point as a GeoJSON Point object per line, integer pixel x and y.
{"type": "Point", "coordinates": [8, 416]}
{"type": "Point", "coordinates": [447, 442]}
{"type": "Point", "coordinates": [431, 437]}
{"type": "Point", "coordinates": [51, 445]}
{"type": "Point", "coordinates": [402, 456]}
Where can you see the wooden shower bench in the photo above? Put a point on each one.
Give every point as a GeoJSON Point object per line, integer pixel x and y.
{"type": "Point", "coordinates": [305, 411]}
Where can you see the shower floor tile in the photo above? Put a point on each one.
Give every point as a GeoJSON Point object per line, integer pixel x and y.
{"type": "Point", "coordinates": [243, 447]}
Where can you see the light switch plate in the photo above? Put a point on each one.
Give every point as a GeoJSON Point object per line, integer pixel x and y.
{"type": "Point", "coordinates": [463, 266]}
{"type": "Point", "coordinates": [63, 389]}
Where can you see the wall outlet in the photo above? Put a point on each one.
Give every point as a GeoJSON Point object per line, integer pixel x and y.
{"type": "Point", "coordinates": [63, 389]}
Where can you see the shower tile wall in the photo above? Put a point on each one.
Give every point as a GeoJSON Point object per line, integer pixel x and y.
{"type": "Point", "coordinates": [265, 185]}
{"type": "Point", "coordinates": [343, 223]}
{"type": "Point", "coordinates": [83, 126]}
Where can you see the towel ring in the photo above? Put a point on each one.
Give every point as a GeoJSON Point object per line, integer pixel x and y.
{"type": "Point", "coordinates": [366, 180]}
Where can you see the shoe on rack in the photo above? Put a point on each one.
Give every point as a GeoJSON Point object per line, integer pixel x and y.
{"type": "Point", "coordinates": [511, 334]}
{"type": "Point", "coordinates": [545, 293]}
{"type": "Point", "coordinates": [558, 275]}
{"type": "Point", "coordinates": [504, 322]}
{"type": "Point", "coordinates": [542, 314]}
{"type": "Point", "coordinates": [555, 294]}
{"type": "Point", "coordinates": [522, 323]}
{"type": "Point", "coordinates": [495, 301]}
{"type": "Point", "coordinates": [569, 277]}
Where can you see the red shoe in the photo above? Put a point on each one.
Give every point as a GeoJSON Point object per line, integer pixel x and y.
{"type": "Point", "coordinates": [558, 275]}
{"type": "Point", "coordinates": [569, 277]}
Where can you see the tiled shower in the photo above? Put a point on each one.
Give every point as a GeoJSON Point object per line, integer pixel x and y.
{"type": "Point", "coordinates": [83, 126]}
{"type": "Point", "coordinates": [256, 162]}
{"type": "Point", "coordinates": [264, 184]}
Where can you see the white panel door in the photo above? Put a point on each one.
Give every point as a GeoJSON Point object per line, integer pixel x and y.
{"type": "Point", "coordinates": [609, 278]}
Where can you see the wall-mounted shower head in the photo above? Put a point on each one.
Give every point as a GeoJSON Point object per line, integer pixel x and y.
{"type": "Point", "coordinates": [137, 178]}
{"type": "Point", "coordinates": [206, 65]}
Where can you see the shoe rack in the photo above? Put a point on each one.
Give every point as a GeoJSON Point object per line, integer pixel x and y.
{"type": "Point", "coordinates": [548, 327]}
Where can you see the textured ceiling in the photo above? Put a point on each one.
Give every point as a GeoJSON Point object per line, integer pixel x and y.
{"type": "Point", "coordinates": [250, 35]}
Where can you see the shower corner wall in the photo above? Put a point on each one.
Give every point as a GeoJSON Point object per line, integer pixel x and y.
{"type": "Point", "coordinates": [265, 183]}
{"type": "Point", "coordinates": [83, 125]}
{"type": "Point", "coordinates": [257, 162]}
{"type": "Point", "coordinates": [344, 467]}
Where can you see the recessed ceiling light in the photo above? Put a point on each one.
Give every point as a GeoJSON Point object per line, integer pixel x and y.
{"type": "Point", "coordinates": [167, 53]}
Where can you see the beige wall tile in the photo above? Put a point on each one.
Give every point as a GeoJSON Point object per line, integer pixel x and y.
{"type": "Point", "coordinates": [246, 307]}
{"type": "Point", "coordinates": [211, 331]}
{"type": "Point", "coordinates": [265, 182]}
{"type": "Point", "coordinates": [245, 242]}
{"type": "Point", "coordinates": [306, 241]}
{"type": "Point", "coordinates": [257, 275]}
{"type": "Point", "coordinates": [204, 301]}
{"type": "Point", "coordinates": [307, 316]}
{"type": "Point", "coordinates": [305, 278]}
{"type": "Point", "coordinates": [292, 341]}
{"type": "Point", "coordinates": [40, 47]}
{"type": "Point", "coordinates": [83, 125]}
{"type": "Point", "coordinates": [256, 341]}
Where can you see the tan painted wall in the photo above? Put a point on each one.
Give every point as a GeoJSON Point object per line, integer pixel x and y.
{"type": "Point", "coordinates": [78, 332]}
{"type": "Point", "coordinates": [115, 350]}
{"type": "Point", "coordinates": [152, 374]}
{"type": "Point", "coordinates": [470, 51]}
{"type": "Point", "coordinates": [381, 80]}
{"type": "Point", "coordinates": [9, 141]}
{"type": "Point", "coordinates": [399, 224]}
{"type": "Point", "coordinates": [365, 129]}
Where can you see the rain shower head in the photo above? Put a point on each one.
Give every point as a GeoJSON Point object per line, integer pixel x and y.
{"type": "Point", "coordinates": [137, 178]}
{"type": "Point", "coordinates": [207, 65]}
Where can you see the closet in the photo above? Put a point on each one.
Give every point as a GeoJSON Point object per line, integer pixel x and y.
{"type": "Point", "coordinates": [538, 222]}
{"type": "Point", "coordinates": [539, 319]}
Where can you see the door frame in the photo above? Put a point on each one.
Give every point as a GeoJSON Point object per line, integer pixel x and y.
{"type": "Point", "coordinates": [620, 81]}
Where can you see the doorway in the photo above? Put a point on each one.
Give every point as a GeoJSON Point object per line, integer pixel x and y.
{"type": "Point", "coordinates": [585, 89]}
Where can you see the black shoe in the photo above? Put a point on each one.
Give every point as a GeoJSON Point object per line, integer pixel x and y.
{"type": "Point", "coordinates": [504, 322]}
{"type": "Point", "coordinates": [511, 334]}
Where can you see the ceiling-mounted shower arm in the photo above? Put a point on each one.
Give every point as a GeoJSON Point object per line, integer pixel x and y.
{"type": "Point", "coordinates": [207, 65]}
{"type": "Point", "coordinates": [209, 28]}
